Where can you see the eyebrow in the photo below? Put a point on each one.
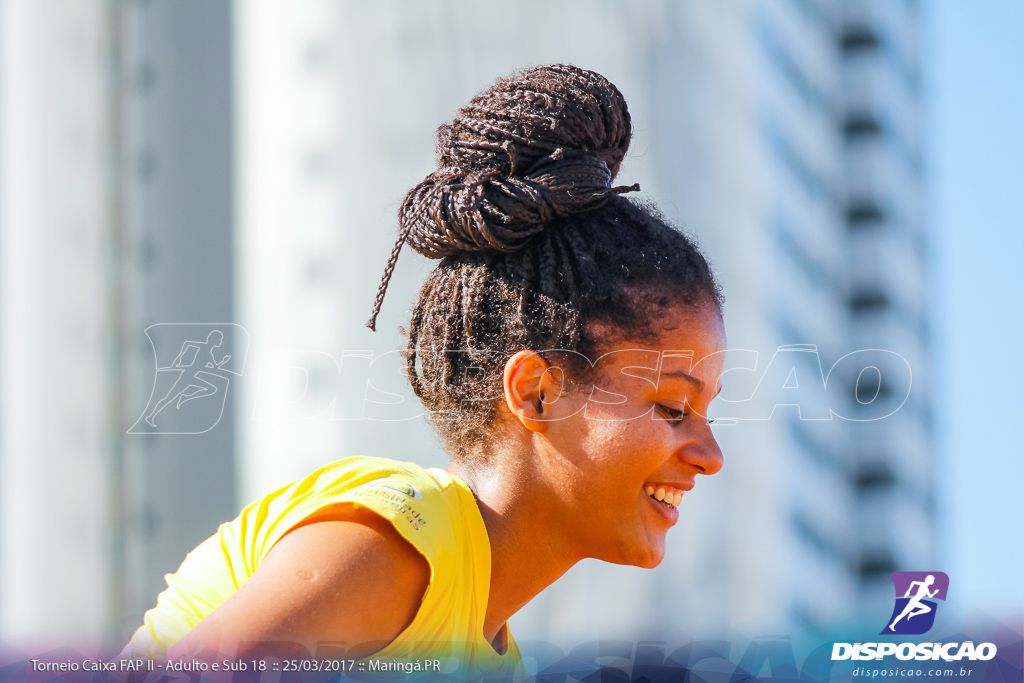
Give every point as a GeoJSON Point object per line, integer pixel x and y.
{"type": "Point", "coordinates": [697, 383]}
{"type": "Point", "coordinates": [679, 374]}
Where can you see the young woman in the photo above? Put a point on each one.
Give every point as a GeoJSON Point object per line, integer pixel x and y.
{"type": "Point", "coordinates": [566, 347]}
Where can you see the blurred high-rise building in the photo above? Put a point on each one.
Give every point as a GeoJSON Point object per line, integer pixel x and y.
{"type": "Point", "coordinates": [887, 246]}
{"type": "Point", "coordinates": [116, 185]}
{"type": "Point", "coordinates": [263, 155]}
{"type": "Point", "coordinates": [59, 309]}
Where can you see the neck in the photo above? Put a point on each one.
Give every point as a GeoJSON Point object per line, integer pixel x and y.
{"type": "Point", "coordinates": [527, 552]}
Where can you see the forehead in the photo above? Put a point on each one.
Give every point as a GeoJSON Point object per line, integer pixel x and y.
{"type": "Point", "coordinates": [697, 329]}
{"type": "Point", "coordinates": [688, 340]}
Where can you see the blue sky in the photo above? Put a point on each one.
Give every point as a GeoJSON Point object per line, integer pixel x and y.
{"type": "Point", "coordinates": [974, 70]}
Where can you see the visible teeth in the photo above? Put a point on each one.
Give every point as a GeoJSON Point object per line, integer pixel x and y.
{"type": "Point", "coordinates": [665, 494]}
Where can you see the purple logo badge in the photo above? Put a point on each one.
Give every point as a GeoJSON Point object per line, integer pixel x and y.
{"type": "Point", "coordinates": [916, 593]}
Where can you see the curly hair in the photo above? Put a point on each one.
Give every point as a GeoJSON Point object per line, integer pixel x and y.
{"type": "Point", "coordinates": [537, 249]}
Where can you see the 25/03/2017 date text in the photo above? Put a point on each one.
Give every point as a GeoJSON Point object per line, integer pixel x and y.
{"type": "Point", "coordinates": [335, 665]}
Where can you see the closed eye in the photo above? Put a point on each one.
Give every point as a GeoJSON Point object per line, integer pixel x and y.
{"type": "Point", "coordinates": [672, 416]}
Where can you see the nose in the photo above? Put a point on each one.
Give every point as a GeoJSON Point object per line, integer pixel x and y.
{"type": "Point", "coordinates": [703, 453]}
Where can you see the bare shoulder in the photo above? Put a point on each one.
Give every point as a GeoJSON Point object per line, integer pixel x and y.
{"type": "Point", "coordinates": [346, 575]}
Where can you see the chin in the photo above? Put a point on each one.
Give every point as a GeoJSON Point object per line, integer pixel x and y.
{"type": "Point", "coordinates": [645, 557]}
{"type": "Point", "coordinates": [652, 560]}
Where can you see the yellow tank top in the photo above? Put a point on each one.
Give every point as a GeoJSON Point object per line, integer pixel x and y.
{"type": "Point", "coordinates": [432, 509]}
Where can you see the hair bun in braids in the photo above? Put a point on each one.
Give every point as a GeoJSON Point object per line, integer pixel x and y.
{"type": "Point", "coordinates": [541, 143]}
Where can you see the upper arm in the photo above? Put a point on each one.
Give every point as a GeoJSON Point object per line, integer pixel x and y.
{"type": "Point", "coordinates": [349, 577]}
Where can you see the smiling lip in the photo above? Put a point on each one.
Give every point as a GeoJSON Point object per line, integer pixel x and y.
{"type": "Point", "coordinates": [668, 512]}
{"type": "Point", "coordinates": [665, 498]}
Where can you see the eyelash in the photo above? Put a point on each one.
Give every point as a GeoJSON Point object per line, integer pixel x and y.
{"type": "Point", "coordinates": [675, 417]}
{"type": "Point", "coordinates": [672, 415]}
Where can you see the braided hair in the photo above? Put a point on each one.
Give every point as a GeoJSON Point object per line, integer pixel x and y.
{"type": "Point", "coordinates": [537, 249]}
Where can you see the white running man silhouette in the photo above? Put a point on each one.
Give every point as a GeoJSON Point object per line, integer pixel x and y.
{"type": "Point", "coordinates": [189, 376]}
{"type": "Point", "coordinates": [915, 606]}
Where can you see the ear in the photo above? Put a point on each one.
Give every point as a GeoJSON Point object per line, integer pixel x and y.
{"type": "Point", "coordinates": [527, 384]}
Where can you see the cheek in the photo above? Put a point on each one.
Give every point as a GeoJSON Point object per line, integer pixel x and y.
{"type": "Point", "coordinates": [630, 448]}
{"type": "Point", "coordinates": [606, 434]}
